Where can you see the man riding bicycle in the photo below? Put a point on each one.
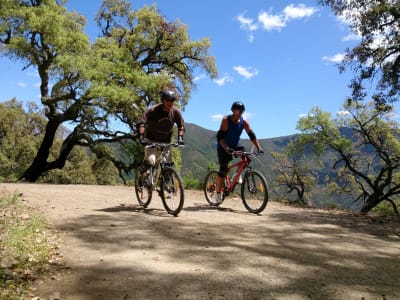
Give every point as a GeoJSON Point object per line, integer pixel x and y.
{"type": "Point", "coordinates": [228, 138]}
{"type": "Point", "coordinates": [157, 125]}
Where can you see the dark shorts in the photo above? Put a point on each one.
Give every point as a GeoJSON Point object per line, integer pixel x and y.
{"type": "Point", "coordinates": [224, 158]}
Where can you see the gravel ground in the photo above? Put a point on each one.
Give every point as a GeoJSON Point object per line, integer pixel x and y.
{"type": "Point", "coordinates": [114, 249]}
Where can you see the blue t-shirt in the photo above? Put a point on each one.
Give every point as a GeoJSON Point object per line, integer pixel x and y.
{"type": "Point", "coordinates": [233, 134]}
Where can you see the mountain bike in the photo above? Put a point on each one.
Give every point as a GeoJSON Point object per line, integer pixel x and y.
{"type": "Point", "coordinates": [163, 178]}
{"type": "Point", "coordinates": [254, 188]}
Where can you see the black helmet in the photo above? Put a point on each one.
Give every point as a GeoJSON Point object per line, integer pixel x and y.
{"type": "Point", "coordinates": [168, 95]}
{"type": "Point", "coordinates": [238, 105]}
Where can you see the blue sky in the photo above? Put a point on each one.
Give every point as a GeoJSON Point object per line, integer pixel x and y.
{"type": "Point", "coordinates": [278, 57]}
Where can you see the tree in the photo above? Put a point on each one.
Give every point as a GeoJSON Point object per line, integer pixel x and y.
{"type": "Point", "coordinates": [377, 57]}
{"type": "Point", "coordinates": [293, 171]}
{"type": "Point", "coordinates": [366, 142]}
{"type": "Point", "coordinates": [20, 135]}
{"type": "Point", "coordinates": [21, 132]}
{"type": "Point", "coordinates": [99, 90]}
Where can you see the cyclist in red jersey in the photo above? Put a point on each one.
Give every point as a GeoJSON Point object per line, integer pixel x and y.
{"type": "Point", "coordinates": [228, 138]}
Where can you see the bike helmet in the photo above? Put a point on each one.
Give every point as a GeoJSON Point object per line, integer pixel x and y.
{"type": "Point", "coordinates": [238, 105]}
{"type": "Point", "coordinates": [168, 95]}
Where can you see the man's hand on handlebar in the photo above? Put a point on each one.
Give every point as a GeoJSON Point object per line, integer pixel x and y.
{"type": "Point", "coordinates": [143, 141]}
{"type": "Point", "coordinates": [180, 140]}
{"type": "Point", "coordinates": [229, 150]}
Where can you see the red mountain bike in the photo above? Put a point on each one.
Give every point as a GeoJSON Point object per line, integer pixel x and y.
{"type": "Point", "coordinates": [254, 189]}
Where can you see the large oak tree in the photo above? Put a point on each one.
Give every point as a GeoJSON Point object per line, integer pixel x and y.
{"type": "Point", "coordinates": [99, 89]}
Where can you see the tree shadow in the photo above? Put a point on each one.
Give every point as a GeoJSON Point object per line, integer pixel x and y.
{"type": "Point", "coordinates": [282, 254]}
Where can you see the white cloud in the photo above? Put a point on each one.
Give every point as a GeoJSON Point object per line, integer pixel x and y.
{"type": "Point", "coordinates": [298, 12]}
{"type": "Point", "coordinates": [342, 113]}
{"type": "Point", "coordinates": [223, 80]}
{"type": "Point", "coordinates": [22, 84]}
{"type": "Point", "coordinates": [246, 23]}
{"type": "Point", "coordinates": [248, 115]}
{"type": "Point", "coordinates": [37, 84]}
{"type": "Point", "coordinates": [337, 58]}
{"type": "Point", "coordinates": [200, 77]}
{"type": "Point", "coordinates": [271, 22]}
{"type": "Point", "coordinates": [217, 117]}
{"type": "Point", "coordinates": [247, 73]}
{"type": "Point", "coordinates": [351, 37]}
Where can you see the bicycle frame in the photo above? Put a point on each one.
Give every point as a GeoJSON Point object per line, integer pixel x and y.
{"type": "Point", "coordinates": [240, 165]}
{"type": "Point", "coordinates": [160, 161]}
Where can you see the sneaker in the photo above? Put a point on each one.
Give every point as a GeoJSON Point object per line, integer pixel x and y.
{"type": "Point", "coordinates": [218, 198]}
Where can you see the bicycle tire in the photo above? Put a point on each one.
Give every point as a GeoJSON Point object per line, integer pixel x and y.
{"type": "Point", "coordinates": [171, 191]}
{"type": "Point", "coordinates": [254, 191]}
{"type": "Point", "coordinates": [209, 188]}
{"type": "Point", "coordinates": [143, 191]}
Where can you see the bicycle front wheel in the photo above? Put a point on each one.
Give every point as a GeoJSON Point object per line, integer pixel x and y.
{"type": "Point", "coordinates": [254, 191]}
{"type": "Point", "coordinates": [171, 191]}
{"type": "Point", "coordinates": [210, 188]}
{"type": "Point", "coordinates": [143, 189]}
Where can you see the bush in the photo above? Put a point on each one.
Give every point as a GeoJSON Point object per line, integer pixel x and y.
{"type": "Point", "coordinates": [192, 184]}
{"type": "Point", "coordinates": [26, 246]}
{"type": "Point", "coordinates": [385, 209]}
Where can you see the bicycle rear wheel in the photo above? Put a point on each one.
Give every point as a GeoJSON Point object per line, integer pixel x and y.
{"type": "Point", "coordinates": [171, 191]}
{"type": "Point", "coordinates": [210, 188]}
{"type": "Point", "coordinates": [143, 189]}
{"type": "Point", "coordinates": [254, 191]}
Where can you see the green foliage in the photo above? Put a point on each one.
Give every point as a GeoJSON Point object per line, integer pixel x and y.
{"type": "Point", "coordinates": [26, 246]}
{"type": "Point", "coordinates": [376, 58]}
{"type": "Point", "coordinates": [77, 170]}
{"type": "Point", "coordinates": [385, 209]}
{"type": "Point", "coordinates": [20, 135]}
{"type": "Point", "coordinates": [192, 183]}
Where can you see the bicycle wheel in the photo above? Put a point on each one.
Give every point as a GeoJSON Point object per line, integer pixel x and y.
{"type": "Point", "coordinates": [171, 191]}
{"type": "Point", "coordinates": [210, 188]}
{"type": "Point", "coordinates": [143, 189]}
{"type": "Point", "coordinates": [254, 191]}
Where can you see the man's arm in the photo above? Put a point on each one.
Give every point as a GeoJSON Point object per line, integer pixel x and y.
{"type": "Point", "coordinates": [221, 133]}
{"type": "Point", "coordinates": [252, 136]}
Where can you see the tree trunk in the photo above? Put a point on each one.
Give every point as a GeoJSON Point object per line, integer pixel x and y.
{"type": "Point", "coordinates": [369, 204]}
{"type": "Point", "coordinates": [40, 164]}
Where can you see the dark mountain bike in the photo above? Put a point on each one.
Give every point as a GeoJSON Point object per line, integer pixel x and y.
{"type": "Point", "coordinates": [164, 179]}
{"type": "Point", "coordinates": [253, 189]}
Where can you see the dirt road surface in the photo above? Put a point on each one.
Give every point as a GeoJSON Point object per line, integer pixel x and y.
{"type": "Point", "coordinates": [114, 249]}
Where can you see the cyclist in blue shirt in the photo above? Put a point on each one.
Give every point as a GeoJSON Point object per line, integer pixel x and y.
{"type": "Point", "coordinates": [228, 138]}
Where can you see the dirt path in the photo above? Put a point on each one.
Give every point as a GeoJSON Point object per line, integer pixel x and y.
{"type": "Point", "coordinates": [113, 249]}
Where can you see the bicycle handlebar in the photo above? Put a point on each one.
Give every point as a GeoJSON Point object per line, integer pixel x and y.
{"type": "Point", "coordinates": [245, 153]}
{"type": "Point", "coordinates": [163, 145]}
